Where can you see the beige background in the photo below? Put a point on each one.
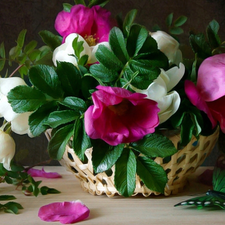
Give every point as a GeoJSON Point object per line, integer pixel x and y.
{"type": "Point", "coordinates": [36, 15]}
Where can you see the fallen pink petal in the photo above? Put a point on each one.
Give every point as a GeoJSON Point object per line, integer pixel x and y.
{"type": "Point", "coordinates": [42, 173]}
{"type": "Point", "coordinates": [64, 212]}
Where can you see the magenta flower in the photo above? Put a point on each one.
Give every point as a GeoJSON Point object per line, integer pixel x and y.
{"type": "Point", "coordinates": [42, 173]}
{"type": "Point", "coordinates": [209, 93]}
{"type": "Point", "coordinates": [120, 116]}
{"type": "Point", "coordinates": [93, 24]}
{"type": "Point", "coordinates": [64, 212]}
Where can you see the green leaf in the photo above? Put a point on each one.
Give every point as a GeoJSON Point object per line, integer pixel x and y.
{"type": "Point", "coordinates": [39, 118]}
{"type": "Point", "coordinates": [81, 141]}
{"type": "Point", "coordinates": [46, 80]}
{"type": "Point", "coordinates": [30, 47]}
{"type": "Point", "coordinates": [58, 118]}
{"type": "Point", "coordinates": [125, 173]}
{"type": "Point", "coordinates": [155, 145]}
{"type": "Point", "coordinates": [118, 45]}
{"type": "Point", "coordinates": [180, 21]}
{"type": "Point", "coordinates": [77, 104]}
{"type": "Point", "coordinates": [104, 156]}
{"type": "Point", "coordinates": [176, 30]}
{"type": "Point", "coordinates": [70, 78]}
{"type": "Point", "coordinates": [82, 2]}
{"type": "Point", "coordinates": [88, 83]}
{"type": "Point", "coordinates": [2, 64]}
{"type": "Point", "coordinates": [59, 140]}
{"type": "Point", "coordinates": [21, 38]}
{"type": "Point", "coordinates": [7, 197]}
{"type": "Point", "coordinates": [136, 39]}
{"type": "Point", "coordinates": [212, 34]}
{"type": "Point", "coordinates": [103, 74]}
{"type": "Point", "coordinates": [46, 190]}
{"type": "Point", "coordinates": [128, 21]}
{"type": "Point", "coordinates": [102, 3]}
{"type": "Point", "coordinates": [152, 174]}
{"type": "Point", "coordinates": [12, 207]}
{"type": "Point", "coordinates": [169, 19]}
{"type": "Point", "coordinates": [200, 46]}
{"type": "Point", "coordinates": [108, 58]}
{"type": "Point", "coordinates": [67, 7]}
{"type": "Point", "coordinates": [50, 39]}
{"type": "Point", "coordinates": [25, 99]}
{"type": "Point", "coordinates": [2, 50]}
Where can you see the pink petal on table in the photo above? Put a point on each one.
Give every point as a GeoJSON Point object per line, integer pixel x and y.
{"type": "Point", "coordinates": [206, 177]}
{"type": "Point", "coordinates": [64, 212]}
{"type": "Point", "coordinates": [42, 173]}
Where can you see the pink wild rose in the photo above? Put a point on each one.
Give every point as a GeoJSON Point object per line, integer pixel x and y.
{"type": "Point", "coordinates": [93, 24]}
{"type": "Point", "coordinates": [120, 116]}
{"type": "Point", "coordinates": [209, 93]}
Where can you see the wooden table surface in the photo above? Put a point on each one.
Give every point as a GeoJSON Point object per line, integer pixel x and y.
{"type": "Point", "coordinates": [117, 210]}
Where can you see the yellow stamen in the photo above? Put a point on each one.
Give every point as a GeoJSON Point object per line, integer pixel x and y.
{"type": "Point", "coordinates": [91, 39]}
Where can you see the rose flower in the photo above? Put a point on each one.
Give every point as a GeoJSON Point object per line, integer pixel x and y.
{"type": "Point", "coordinates": [209, 93]}
{"type": "Point", "coordinates": [120, 116]}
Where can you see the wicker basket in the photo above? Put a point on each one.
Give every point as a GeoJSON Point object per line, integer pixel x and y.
{"type": "Point", "coordinates": [181, 164]}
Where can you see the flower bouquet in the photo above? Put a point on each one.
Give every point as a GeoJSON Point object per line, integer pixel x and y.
{"type": "Point", "coordinates": [121, 107]}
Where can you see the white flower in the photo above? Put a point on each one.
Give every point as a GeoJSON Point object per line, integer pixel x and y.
{"type": "Point", "coordinates": [7, 149]}
{"type": "Point", "coordinates": [168, 45]}
{"type": "Point", "coordinates": [19, 122]}
{"type": "Point", "coordinates": [159, 91]}
{"type": "Point", "coordinates": [65, 52]}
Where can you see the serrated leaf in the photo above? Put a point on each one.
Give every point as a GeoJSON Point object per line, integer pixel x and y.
{"type": "Point", "coordinates": [136, 39]}
{"type": "Point", "coordinates": [125, 173]}
{"type": "Point", "coordinates": [59, 140]}
{"type": "Point", "coordinates": [70, 78]}
{"type": "Point", "coordinates": [58, 118]}
{"type": "Point", "coordinates": [118, 45]}
{"type": "Point", "coordinates": [108, 58]}
{"type": "Point", "coordinates": [46, 190]}
{"type": "Point", "coordinates": [104, 156]}
{"type": "Point", "coordinates": [152, 174]}
{"type": "Point", "coordinates": [88, 83]}
{"type": "Point", "coordinates": [101, 73]}
{"type": "Point", "coordinates": [180, 21]}
{"type": "Point", "coordinates": [81, 141]}
{"type": "Point", "coordinates": [77, 104]}
{"type": "Point", "coordinates": [200, 46]}
{"type": "Point", "coordinates": [155, 145]}
{"type": "Point", "coordinates": [46, 80]}
{"type": "Point", "coordinates": [128, 21]}
{"type": "Point", "coordinates": [7, 197]}
{"type": "Point", "coordinates": [212, 34]}
{"type": "Point", "coordinates": [30, 46]}
{"type": "Point", "coordinates": [21, 38]}
{"type": "Point", "coordinates": [25, 99]}
{"type": "Point", "coordinates": [39, 118]}
{"type": "Point", "coordinates": [169, 19]}
{"type": "Point", "coordinates": [50, 39]}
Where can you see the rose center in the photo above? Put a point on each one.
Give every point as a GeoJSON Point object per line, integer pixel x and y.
{"type": "Point", "coordinates": [121, 108]}
{"type": "Point", "coordinates": [91, 39]}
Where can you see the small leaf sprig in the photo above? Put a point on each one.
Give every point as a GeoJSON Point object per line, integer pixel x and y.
{"type": "Point", "coordinates": [22, 180]}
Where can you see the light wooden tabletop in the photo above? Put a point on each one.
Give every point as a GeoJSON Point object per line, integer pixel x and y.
{"type": "Point", "coordinates": [117, 210]}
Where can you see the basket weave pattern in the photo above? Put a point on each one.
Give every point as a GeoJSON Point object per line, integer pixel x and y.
{"type": "Point", "coordinates": [182, 164]}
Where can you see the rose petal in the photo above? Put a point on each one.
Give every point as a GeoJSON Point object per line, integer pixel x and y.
{"type": "Point", "coordinates": [41, 173]}
{"type": "Point", "coordinates": [64, 212]}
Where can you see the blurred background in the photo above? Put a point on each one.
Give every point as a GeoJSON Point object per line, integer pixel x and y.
{"type": "Point", "coordinates": [37, 15]}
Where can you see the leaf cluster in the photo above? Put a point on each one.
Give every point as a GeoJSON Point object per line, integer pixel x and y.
{"type": "Point", "coordinates": [21, 179]}
{"type": "Point", "coordinates": [59, 97]}
{"type": "Point", "coordinates": [26, 55]}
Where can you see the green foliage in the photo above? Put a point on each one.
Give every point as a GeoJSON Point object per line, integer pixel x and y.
{"type": "Point", "coordinates": [20, 178]}
{"type": "Point", "coordinates": [174, 26]}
